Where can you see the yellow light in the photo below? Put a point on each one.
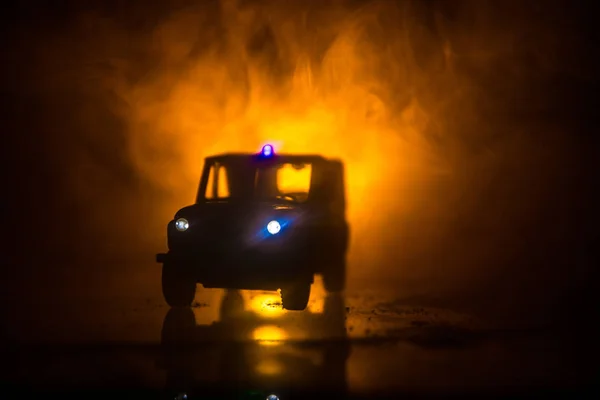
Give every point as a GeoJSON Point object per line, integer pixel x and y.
{"type": "Point", "coordinates": [290, 179]}
{"type": "Point", "coordinates": [269, 335]}
{"type": "Point", "coordinates": [267, 305]}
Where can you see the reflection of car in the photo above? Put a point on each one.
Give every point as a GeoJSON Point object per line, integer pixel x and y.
{"type": "Point", "coordinates": [261, 221]}
{"type": "Point", "coordinates": [252, 353]}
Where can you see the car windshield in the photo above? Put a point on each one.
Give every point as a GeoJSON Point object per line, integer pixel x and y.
{"type": "Point", "coordinates": [286, 182]}
{"type": "Point", "coordinates": [289, 182]}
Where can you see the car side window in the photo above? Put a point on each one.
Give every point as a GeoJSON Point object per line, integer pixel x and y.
{"type": "Point", "coordinates": [217, 187]}
{"type": "Point", "coordinates": [210, 186]}
{"type": "Point", "coordinates": [223, 183]}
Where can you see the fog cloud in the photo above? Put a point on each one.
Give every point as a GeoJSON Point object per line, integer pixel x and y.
{"type": "Point", "coordinates": [433, 106]}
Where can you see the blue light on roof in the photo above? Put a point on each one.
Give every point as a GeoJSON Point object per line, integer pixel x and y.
{"type": "Point", "coordinates": [267, 150]}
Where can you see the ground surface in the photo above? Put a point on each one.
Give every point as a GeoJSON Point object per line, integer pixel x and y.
{"type": "Point", "coordinates": [90, 335]}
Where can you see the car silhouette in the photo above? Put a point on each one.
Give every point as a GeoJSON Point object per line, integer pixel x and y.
{"type": "Point", "coordinates": [254, 227]}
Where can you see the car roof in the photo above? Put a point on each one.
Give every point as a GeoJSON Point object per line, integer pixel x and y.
{"type": "Point", "coordinates": [292, 158]}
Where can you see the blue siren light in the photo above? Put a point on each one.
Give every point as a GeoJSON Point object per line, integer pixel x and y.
{"type": "Point", "coordinates": [267, 150]}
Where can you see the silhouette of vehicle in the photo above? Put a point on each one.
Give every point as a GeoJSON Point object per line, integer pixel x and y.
{"type": "Point", "coordinates": [250, 228]}
{"type": "Point", "coordinates": [226, 360]}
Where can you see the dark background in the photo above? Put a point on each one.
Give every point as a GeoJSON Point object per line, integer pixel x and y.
{"type": "Point", "coordinates": [517, 240]}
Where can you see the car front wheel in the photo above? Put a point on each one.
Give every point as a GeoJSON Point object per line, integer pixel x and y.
{"type": "Point", "coordinates": [178, 285]}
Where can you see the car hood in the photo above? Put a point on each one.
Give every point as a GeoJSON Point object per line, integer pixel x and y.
{"type": "Point", "coordinates": [234, 215]}
{"type": "Point", "coordinates": [227, 209]}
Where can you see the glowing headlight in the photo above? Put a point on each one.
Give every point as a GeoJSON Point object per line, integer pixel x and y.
{"type": "Point", "coordinates": [182, 224]}
{"type": "Point", "coordinates": [272, 397]}
{"type": "Point", "coordinates": [273, 227]}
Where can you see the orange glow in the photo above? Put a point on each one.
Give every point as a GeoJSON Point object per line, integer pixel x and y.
{"type": "Point", "coordinates": [267, 305]}
{"type": "Point", "coordinates": [446, 115]}
{"type": "Point", "coordinates": [269, 367]}
{"type": "Point", "coordinates": [230, 101]}
{"type": "Point", "coordinates": [269, 335]}
{"type": "Point", "coordinates": [317, 298]}
{"type": "Point", "coordinates": [223, 189]}
{"type": "Point", "coordinates": [292, 180]}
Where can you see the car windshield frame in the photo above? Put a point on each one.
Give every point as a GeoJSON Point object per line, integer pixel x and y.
{"type": "Point", "coordinates": [247, 169]}
{"type": "Point", "coordinates": [286, 196]}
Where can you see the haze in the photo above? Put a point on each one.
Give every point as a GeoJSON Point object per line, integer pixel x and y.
{"type": "Point", "coordinates": [446, 113]}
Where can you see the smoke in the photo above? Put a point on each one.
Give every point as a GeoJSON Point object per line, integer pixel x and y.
{"type": "Point", "coordinates": [306, 80]}
{"type": "Point", "coordinates": [440, 111]}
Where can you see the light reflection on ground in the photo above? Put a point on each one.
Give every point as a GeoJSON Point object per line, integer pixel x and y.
{"type": "Point", "coordinates": [269, 335]}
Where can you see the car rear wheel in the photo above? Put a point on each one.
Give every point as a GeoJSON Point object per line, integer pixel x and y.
{"type": "Point", "coordinates": [334, 276]}
{"type": "Point", "coordinates": [295, 297]}
{"type": "Point", "coordinates": [178, 285]}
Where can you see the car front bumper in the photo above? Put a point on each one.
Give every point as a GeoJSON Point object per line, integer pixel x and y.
{"type": "Point", "coordinates": [246, 270]}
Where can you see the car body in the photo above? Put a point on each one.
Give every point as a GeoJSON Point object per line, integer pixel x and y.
{"type": "Point", "coordinates": [248, 230]}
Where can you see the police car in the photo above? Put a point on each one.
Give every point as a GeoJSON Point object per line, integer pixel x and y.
{"type": "Point", "coordinates": [262, 221]}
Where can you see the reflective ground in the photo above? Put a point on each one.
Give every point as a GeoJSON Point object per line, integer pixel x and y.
{"type": "Point", "coordinates": [363, 342]}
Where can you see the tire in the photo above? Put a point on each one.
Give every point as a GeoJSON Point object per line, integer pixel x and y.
{"type": "Point", "coordinates": [178, 285]}
{"type": "Point", "coordinates": [334, 276]}
{"type": "Point", "coordinates": [295, 297]}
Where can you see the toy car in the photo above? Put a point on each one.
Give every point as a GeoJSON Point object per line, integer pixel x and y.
{"type": "Point", "coordinates": [250, 228]}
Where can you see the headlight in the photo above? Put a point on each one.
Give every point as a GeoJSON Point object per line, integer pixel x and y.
{"type": "Point", "coordinates": [273, 227]}
{"type": "Point", "coordinates": [182, 224]}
